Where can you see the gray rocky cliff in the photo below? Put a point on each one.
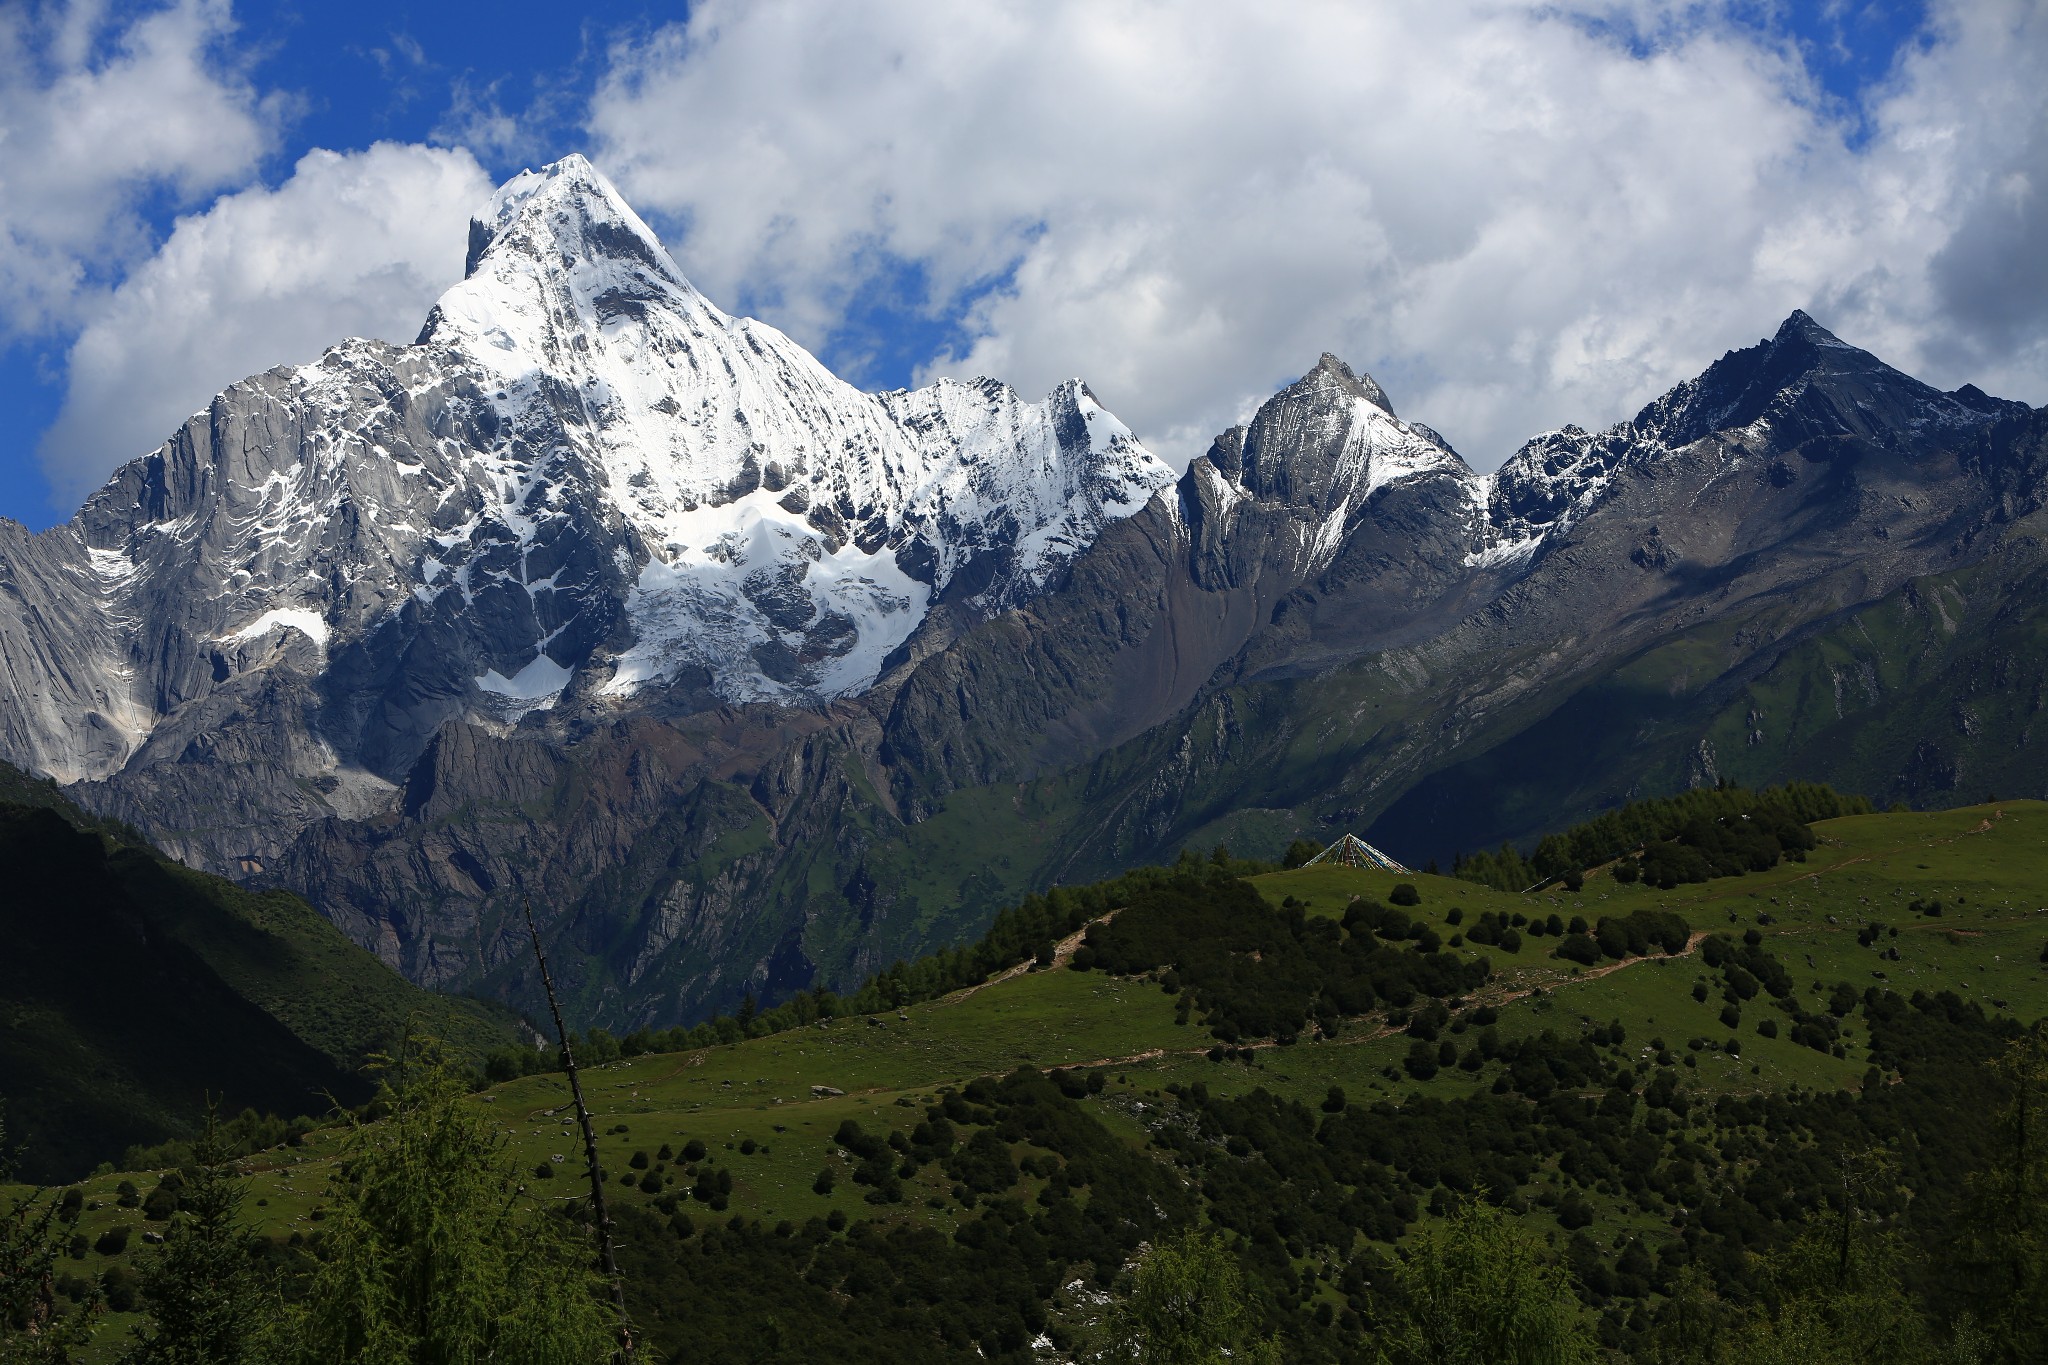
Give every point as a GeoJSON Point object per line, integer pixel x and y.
{"type": "Point", "coordinates": [598, 599]}
{"type": "Point", "coordinates": [582, 493]}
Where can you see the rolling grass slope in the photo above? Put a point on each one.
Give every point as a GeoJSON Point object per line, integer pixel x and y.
{"type": "Point", "coordinates": [767, 1110]}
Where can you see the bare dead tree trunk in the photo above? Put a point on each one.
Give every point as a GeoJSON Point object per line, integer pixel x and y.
{"type": "Point", "coordinates": [604, 1218]}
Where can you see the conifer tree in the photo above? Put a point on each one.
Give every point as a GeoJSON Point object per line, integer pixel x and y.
{"type": "Point", "coordinates": [2004, 1250]}
{"type": "Point", "coordinates": [34, 1329]}
{"type": "Point", "coordinates": [1188, 1305]}
{"type": "Point", "coordinates": [435, 1253]}
{"type": "Point", "coordinates": [1817, 1307]}
{"type": "Point", "coordinates": [201, 1289]}
{"type": "Point", "coordinates": [1479, 1290]}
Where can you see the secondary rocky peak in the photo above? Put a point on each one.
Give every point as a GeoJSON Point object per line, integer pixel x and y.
{"type": "Point", "coordinates": [1329, 440]}
{"type": "Point", "coordinates": [1332, 372]}
{"type": "Point", "coordinates": [1802, 389]}
{"type": "Point", "coordinates": [1800, 324]}
{"type": "Point", "coordinates": [1804, 383]}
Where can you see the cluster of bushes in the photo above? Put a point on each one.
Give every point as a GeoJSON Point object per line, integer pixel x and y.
{"type": "Point", "coordinates": [241, 1135]}
{"type": "Point", "coordinates": [1257, 972]}
{"type": "Point", "coordinates": [1623, 936]}
{"type": "Point", "coordinates": [1315, 1199]}
{"type": "Point", "coordinates": [830, 1289]}
{"type": "Point", "coordinates": [1720, 846]}
{"type": "Point", "coordinates": [1735, 1178]}
{"type": "Point", "coordinates": [1688, 821]}
{"type": "Point", "coordinates": [1022, 933]}
{"type": "Point", "coordinates": [1745, 968]}
{"type": "Point", "coordinates": [1498, 931]}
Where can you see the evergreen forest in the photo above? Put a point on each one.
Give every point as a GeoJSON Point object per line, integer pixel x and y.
{"type": "Point", "coordinates": [1739, 1076]}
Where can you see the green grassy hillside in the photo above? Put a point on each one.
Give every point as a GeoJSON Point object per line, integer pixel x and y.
{"type": "Point", "coordinates": [134, 987]}
{"type": "Point", "coordinates": [1005, 1130]}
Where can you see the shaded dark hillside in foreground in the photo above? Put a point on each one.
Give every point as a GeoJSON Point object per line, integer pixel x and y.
{"type": "Point", "coordinates": [133, 988]}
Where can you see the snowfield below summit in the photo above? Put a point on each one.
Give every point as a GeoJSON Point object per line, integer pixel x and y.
{"type": "Point", "coordinates": [791, 530]}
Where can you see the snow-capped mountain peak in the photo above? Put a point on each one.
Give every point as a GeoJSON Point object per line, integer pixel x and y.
{"type": "Point", "coordinates": [790, 530]}
{"type": "Point", "coordinates": [582, 473]}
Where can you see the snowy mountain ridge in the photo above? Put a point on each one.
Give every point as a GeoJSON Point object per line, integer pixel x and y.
{"type": "Point", "coordinates": [585, 490]}
{"type": "Point", "coordinates": [582, 470]}
{"type": "Point", "coordinates": [794, 529]}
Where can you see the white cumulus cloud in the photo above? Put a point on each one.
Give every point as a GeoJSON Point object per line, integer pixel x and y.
{"type": "Point", "coordinates": [1512, 215]}
{"type": "Point", "coordinates": [356, 244]}
{"type": "Point", "coordinates": [96, 117]}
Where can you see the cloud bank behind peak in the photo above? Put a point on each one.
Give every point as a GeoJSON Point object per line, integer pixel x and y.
{"type": "Point", "coordinates": [1514, 215]}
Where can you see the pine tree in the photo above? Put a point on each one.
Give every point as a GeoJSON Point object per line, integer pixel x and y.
{"type": "Point", "coordinates": [1819, 1307]}
{"type": "Point", "coordinates": [34, 1330]}
{"type": "Point", "coordinates": [2004, 1249]}
{"type": "Point", "coordinates": [434, 1251]}
{"type": "Point", "coordinates": [1479, 1290]}
{"type": "Point", "coordinates": [201, 1290]}
{"type": "Point", "coordinates": [1188, 1305]}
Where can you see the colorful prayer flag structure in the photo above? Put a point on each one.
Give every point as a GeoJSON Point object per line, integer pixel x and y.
{"type": "Point", "coordinates": [1352, 851]}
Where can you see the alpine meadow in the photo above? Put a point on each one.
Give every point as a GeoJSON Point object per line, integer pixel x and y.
{"type": "Point", "coordinates": [614, 831]}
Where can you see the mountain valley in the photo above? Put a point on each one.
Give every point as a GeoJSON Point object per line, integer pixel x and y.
{"type": "Point", "coordinates": [599, 600]}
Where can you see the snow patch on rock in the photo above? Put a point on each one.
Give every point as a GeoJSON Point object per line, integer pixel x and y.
{"type": "Point", "coordinates": [307, 623]}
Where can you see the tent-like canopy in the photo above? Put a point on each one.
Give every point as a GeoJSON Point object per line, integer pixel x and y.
{"type": "Point", "coordinates": [1352, 851]}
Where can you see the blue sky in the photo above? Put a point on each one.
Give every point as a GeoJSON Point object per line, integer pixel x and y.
{"type": "Point", "coordinates": [1028, 191]}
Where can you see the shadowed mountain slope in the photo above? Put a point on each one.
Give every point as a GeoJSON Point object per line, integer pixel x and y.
{"type": "Point", "coordinates": [600, 598]}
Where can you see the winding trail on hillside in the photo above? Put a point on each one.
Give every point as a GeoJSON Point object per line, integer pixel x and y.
{"type": "Point", "coordinates": [1062, 954]}
{"type": "Point", "coordinates": [1692, 943]}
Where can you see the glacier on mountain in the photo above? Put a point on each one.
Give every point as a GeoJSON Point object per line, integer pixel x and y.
{"type": "Point", "coordinates": [585, 483]}
{"type": "Point", "coordinates": [581, 473]}
{"type": "Point", "coordinates": [791, 530]}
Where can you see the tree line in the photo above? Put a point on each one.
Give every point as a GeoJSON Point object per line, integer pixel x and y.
{"type": "Point", "coordinates": [1699, 833]}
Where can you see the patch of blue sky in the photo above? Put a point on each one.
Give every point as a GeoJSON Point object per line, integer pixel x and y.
{"type": "Point", "coordinates": [894, 326]}
{"type": "Point", "coordinates": [352, 75]}
{"type": "Point", "coordinates": [1847, 47]}
{"type": "Point", "coordinates": [31, 390]}
{"type": "Point", "coordinates": [373, 71]}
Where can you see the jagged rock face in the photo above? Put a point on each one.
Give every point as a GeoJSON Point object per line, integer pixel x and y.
{"type": "Point", "coordinates": [597, 599]}
{"type": "Point", "coordinates": [1474, 598]}
{"type": "Point", "coordinates": [582, 483]}
{"type": "Point", "coordinates": [1803, 393]}
{"type": "Point", "coordinates": [1325, 490]}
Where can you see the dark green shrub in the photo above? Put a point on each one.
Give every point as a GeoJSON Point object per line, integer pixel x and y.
{"type": "Point", "coordinates": [119, 1284]}
{"type": "Point", "coordinates": [163, 1200]}
{"type": "Point", "coordinates": [1577, 947]}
